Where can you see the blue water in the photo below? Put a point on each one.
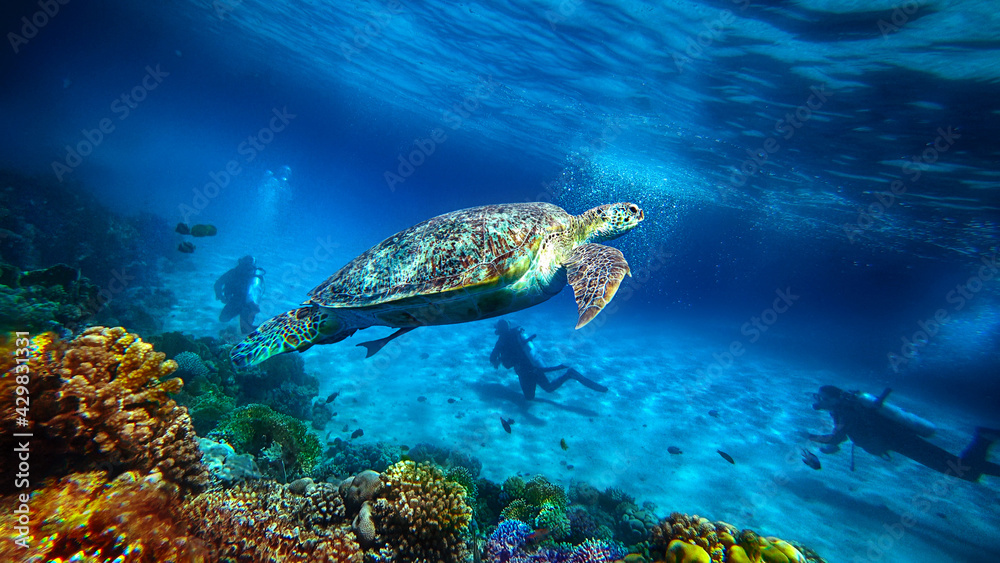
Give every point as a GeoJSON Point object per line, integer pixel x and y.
{"type": "Point", "coordinates": [845, 153]}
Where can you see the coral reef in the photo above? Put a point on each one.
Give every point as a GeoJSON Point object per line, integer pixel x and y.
{"type": "Point", "coordinates": [55, 299]}
{"type": "Point", "coordinates": [538, 502]}
{"type": "Point", "coordinates": [682, 538]}
{"type": "Point", "coordinates": [420, 516]}
{"type": "Point", "coordinates": [84, 517]}
{"type": "Point", "coordinates": [282, 444]}
{"type": "Point", "coordinates": [512, 539]}
{"type": "Point", "coordinates": [344, 458]}
{"type": "Point", "coordinates": [79, 231]}
{"type": "Point", "coordinates": [263, 521]}
{"type": "Point", "coordinates": [225, 465]}
{"type": "Point", "coordinates": [447, 458]}
{"type": "Point", "coordinates": [103, 400]}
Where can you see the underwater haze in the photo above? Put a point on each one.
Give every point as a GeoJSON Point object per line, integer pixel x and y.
{"type": "Point", "coordinates": [820, 186]}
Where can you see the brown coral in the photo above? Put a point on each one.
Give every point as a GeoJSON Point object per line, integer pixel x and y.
{"type": "Point", "coordinates": [84, 517]}
{"type": "Point", "coordinates": [323, 505]}
{"type": "Point", "coordinates": [263, 521]}
{"type": "Point", "coordinates": [103, 398]}
{"type": "Point", "coordinates": [420, 516]}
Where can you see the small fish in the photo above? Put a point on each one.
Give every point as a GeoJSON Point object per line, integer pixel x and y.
{"type": "Point", "coordinates": [183, 229]}
{"type": "Point", "coordinates": [204, 231]}
{"type": "Point", "coordinates": [726, 457]}
{"type": "Point", "coordinates": [357, 433]}
{"type": "Point", "coordinates": [332, 396]}
{"type": "Point", "coordinates": [424, 355]}
{"type": "Point", "coordinates": [186, 247]}
{"type": "Point", "coordinates": [562, 444]}
{"type": "Point", "coordinates": [506, 423]}
{"type": "Point", "coordinates": [538, 535]}
{"type": "Point", "coordinates": [713, 413]}
{"type": "Point", "coordinates": [810, 459]}
{"type": "Point", "coordinates": [674, 450]}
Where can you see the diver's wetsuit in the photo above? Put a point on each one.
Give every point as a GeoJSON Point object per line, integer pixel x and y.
{"type": "Point", "coordinates": [234, 289]}
{"type": "Point", "coordinates": [877, 434]}
{"type": "Point", "coordinates": [513, 350]}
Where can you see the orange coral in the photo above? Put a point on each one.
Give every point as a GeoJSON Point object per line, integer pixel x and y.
{"type": "Point", "coordinates": [84, 517]}
{"type": "Point", "coordinates": [420, 516]}
{"type": "Point", "coordinates": [104, 397]}
{"type": "Point", "coordinates": [263, 521]}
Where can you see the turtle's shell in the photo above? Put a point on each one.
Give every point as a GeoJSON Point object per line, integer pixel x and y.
{"type": "Point", "coordinates": [479, 246]}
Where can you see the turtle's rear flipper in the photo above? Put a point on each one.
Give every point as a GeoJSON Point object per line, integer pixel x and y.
{"type": "Point", "coordinates": [373, 346]}
{"type": "Point", "coordinates": [295, 330]}
{"type": "Point", "coordinates": [595, 271]}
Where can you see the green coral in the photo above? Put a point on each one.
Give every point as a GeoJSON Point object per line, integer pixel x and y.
{"type": "Point", "coordinates": [56, 298]}
{"type": "Point", "coordinates": [464, 477]}
{"type": "Point", "coordinates": [208, 408]}
{"type": "Point", "coordinates": [538, 502]}
{"type": "Point", "coordinates": [554, 519]}
{"type": "Point", "coordinates": [540, 491]}
{"type": "Point", "coordinates": [518, 509]}
{"type": "Point", "coordinates": [252, 428]}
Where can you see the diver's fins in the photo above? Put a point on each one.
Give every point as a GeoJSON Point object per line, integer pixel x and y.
{"type": "Point", "coordinates": [373, 346]}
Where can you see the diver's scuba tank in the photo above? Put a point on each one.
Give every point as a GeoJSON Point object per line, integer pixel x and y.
{"type": "Point", "coordinates": [255, 289]}
{"type": "Point", "coordinates": [910, 421]}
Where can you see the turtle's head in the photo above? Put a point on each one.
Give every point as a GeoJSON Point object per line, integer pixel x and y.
{"type": "Point", "coordinates": [610, 221]}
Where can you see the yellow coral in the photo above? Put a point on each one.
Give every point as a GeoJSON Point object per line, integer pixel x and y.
{"type": "Point", "coordinates": [682, 552]}
{"type": "Point", "coordinates": [421, 516]}
{"type": "Point", "coordinates": [104, 397]}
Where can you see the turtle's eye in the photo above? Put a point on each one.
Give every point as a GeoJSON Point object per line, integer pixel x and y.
{"type": "Point", "coordinates": [633, 208]}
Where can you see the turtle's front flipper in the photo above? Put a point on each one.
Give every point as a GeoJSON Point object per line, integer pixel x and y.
{"type": "Point", "coordinates": [373, 346]}
{"type": "Point", "coordinates": [297, 329]}
{"type": "Point", "coordinates": [595, 271]}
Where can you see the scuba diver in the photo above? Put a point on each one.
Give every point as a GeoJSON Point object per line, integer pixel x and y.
{"type": "Point", "coordinates": [879, 428]}
{"type": "Point", "coordinates": [241, 289]}
{"type": "Point", "coordinates": [513, 350]}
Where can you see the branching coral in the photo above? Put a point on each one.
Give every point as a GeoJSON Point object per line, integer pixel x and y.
{"type": "Point", "coordinates": [83, 517]}
{"type": "Point", "coordinates": [262, 521]}
{"type": "Point", "coordinates": [420, 516]}
{"type": "Point", "coordinates": [103, 398]}
{"type": "Point", "coordinates": [510, 543]}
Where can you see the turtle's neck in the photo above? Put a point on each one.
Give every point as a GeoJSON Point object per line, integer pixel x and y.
{"type": "Point", "coordinates": [585, 226]}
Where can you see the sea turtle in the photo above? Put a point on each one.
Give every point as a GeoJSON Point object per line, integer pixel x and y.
{"type": "Point", "coordinates": [458, 267]}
